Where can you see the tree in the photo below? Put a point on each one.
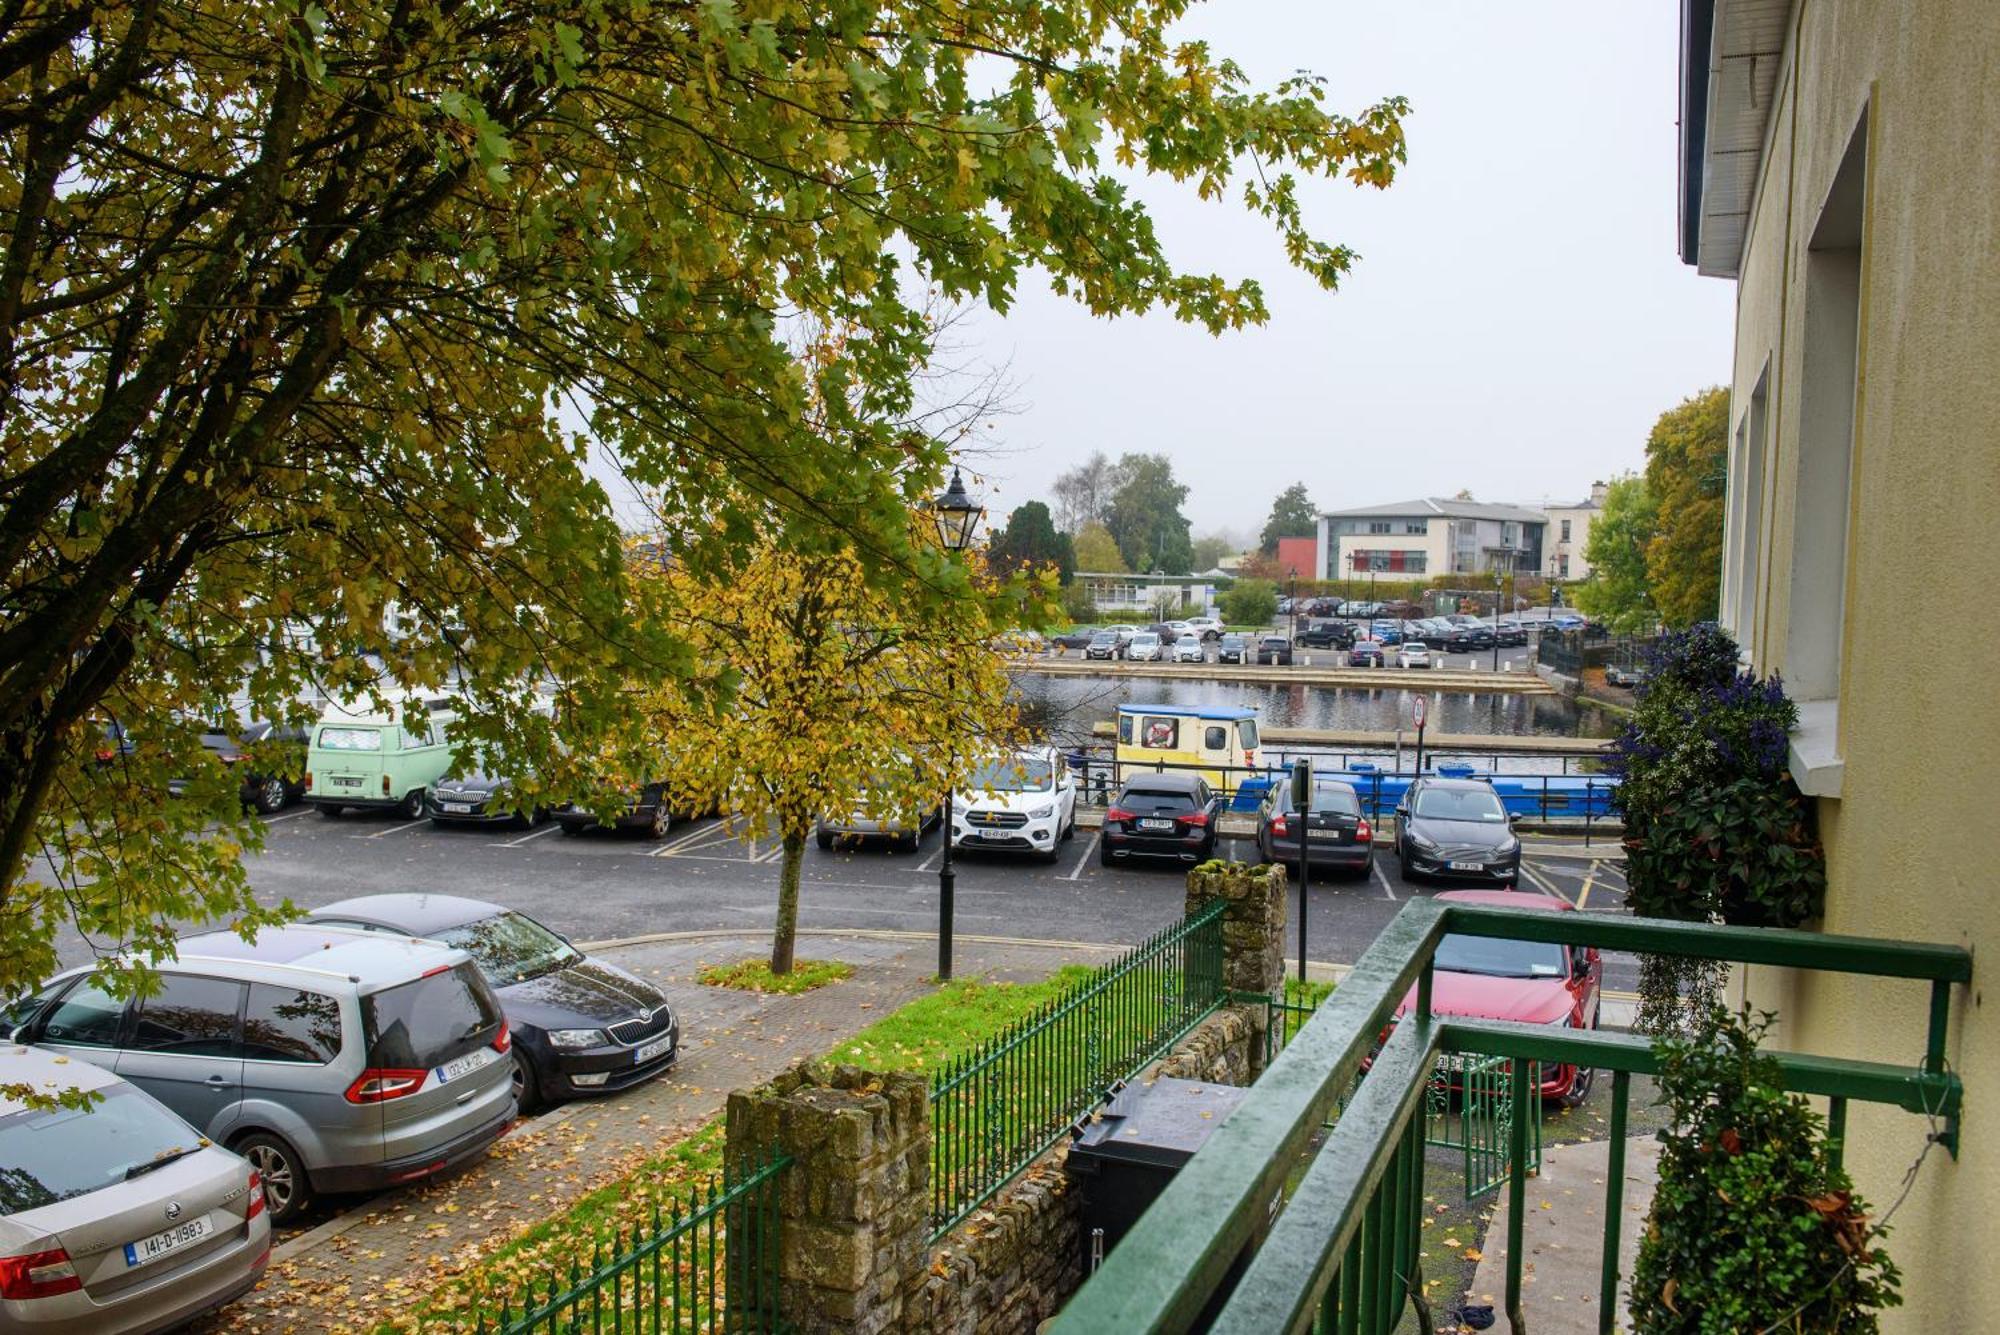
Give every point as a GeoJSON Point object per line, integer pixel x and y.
{"type": "Point", "coordinates": [1030, 541]}
{"type": "Point", "coordinates": [820, 693]}
{"type": "Point", "coordinates": [1687, 459]}
{"type": "Point", "coordinates": [1097, 551]}
{"type": "Point", "coordinates": [1210, 549]}
{"type": "Point", "coordinates": [305, 313]}
{"type": "Point", "coordinates": [1145, 518]}
{"type": "Point", "coordinates": [1249, 602]}
{"type": "Point", "coordinates": [1293, 515]}
{"type": "Point", "coordinates": [1083, 493]}
{"type": "Point", "coordinates": [1617, 592]}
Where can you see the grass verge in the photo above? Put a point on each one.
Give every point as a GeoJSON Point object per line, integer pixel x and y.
{"type": "Point", "coordinates": [756, 976]}
{"type": "Point", "coordinates": [921, 1035]}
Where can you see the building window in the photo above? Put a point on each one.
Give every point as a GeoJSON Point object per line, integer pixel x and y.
{"type": "Point", "coordinates": [1565, 530]}
{"type": "Point", "coordinates": [1378, 526]}
{"type": "Point", "coordinates": [1744, 517]}
{"type": "Point", "coordinates": [1562, 567]}
{"type": "Point", "coordinates": [1416, 526]}
{"type": "Point", "coordinates": [1825, 459]}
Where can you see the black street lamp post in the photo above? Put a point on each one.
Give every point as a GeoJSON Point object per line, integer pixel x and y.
{"type": "Point", "coordinates": [957, 516]}
{"type": "Point", "coordinates": [1293, 603]}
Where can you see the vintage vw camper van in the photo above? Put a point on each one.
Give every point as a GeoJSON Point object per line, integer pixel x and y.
{"type": "Point", "coordinates": [359, 758]}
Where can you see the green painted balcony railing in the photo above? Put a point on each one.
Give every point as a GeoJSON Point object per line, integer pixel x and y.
{"type": "Point", "coordinates": [999, 1108]}
{"type": "Point", "coordinates": [1341, 1255]}
{"type": "Point", "coordinates": [709, 1264]}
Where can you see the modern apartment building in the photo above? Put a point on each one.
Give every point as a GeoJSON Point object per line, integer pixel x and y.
{"type": "Point", "coordinates": [1841, 164]}
{"type": "Point", "coordinates": [1429, 536]}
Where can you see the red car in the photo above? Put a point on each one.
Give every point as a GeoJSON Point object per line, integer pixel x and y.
{"type": "Point", "coordinates": [1529, 982]}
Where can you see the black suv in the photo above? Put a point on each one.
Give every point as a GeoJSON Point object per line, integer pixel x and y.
{"type": "Point", "coordinates": [1327, 635]}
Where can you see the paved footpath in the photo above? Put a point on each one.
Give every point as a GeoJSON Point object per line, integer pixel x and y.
{"type": "Point", "coordinates": [354, 1269]}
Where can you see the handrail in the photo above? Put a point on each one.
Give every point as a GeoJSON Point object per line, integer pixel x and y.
{"type": "Point", "coordinates": [1162, 1273]}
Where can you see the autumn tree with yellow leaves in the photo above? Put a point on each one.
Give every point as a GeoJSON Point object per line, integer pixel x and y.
{"type": "Point", "coordinates": [822, 693]}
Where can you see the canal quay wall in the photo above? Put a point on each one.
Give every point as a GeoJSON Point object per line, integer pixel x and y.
{"type": "Point", "coordinates": [1513, 744]}
{"type": "Point", "coordinates": [1304, 674]}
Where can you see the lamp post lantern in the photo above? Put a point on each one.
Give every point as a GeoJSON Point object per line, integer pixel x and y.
{"type": "Point", "coordinates": [957, 517]}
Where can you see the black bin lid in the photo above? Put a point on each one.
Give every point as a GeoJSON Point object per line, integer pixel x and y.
{"type": "Point", "coordinates": [1163, 1123]}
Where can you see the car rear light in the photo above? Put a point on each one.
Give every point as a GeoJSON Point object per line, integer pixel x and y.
{"type": "Point", "coordinates": [1365, 832]}
{"type": "Point", "coordinates": [38, 1275]}
{"type": "Point", "coordinates": [503, 1040]}
{"type": "Point", "coordinates": [256, 1205]}
{"type": "Point", "coordinates": [1280, 826]}
{"type": "Point", "coordinates": [380, 1084]}
{"type": "Point", "coordinates": [385, 785]}
{"type": "Point", "coordinates": [1198, 819]}
{"type": "Point", "coordinates": [104, 757]}
{"type": "Point", "coordinates": [309, 780]}
{"type": "Point", "coordinates": [1116, 813]}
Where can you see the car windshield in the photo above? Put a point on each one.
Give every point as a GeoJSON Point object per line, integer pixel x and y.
{"type": "Point", "coordinates": [52, 1155]}
{"type": "Point", "coordinates": [430, 1020]}
{"type": "Point", "coordinates": [510, 948]}
{"type": "Point", "coordinates": [1495, 958]}
{"type": "Point", "coordinates": [1470, 804]}
{"type": "Point", "coordinates": [1186, 641]}
{"type": "Point", "coordinates": [1232, 641]}
{"type": "Point", "coordinates": [350, 739]}
{"type": "Point", "coordinates": [1103, 637]}
{"type": "Point", "coordinates": [1017, 774]}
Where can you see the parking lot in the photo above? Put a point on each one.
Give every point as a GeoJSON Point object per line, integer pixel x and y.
{"type": "Point", "coordinates": [606, 885]}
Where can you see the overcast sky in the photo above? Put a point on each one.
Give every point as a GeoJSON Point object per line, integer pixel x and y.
{"type": "Point", "coordinates": [1516, 320]}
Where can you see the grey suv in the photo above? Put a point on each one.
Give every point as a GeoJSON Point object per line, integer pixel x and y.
{"type": "Point", "coordinates": [331, 1059]}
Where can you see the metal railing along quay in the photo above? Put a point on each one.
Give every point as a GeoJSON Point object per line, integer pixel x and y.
{"type": "Point", "coordinates": [1342, 1256]}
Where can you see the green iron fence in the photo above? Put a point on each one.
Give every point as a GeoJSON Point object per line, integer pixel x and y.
{"type": "Point", "coordinates": [1342, 1256]}
{"type": "Point", "coordinates": [707, 1264]}
{"type": "Point", "coordinates": [997, 1109]}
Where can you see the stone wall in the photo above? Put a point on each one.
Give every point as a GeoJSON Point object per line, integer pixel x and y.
{"type": "Point", "coordinates": [1225, 1049]}
{"type": "Point", "coordinates": [1009, 1267]}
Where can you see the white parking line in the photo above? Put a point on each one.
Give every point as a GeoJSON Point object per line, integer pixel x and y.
{"type": "Point", "coordinates": [1089, 851]}
{"type": "Point", "coordinates": [289, 815]}
{"type": "Point", "coordinates": [1382, 879]}
{"type": "Point", "coordinates": [550, 828]}
{"type": "Point", "coordinates": [700, 832]}
{"type": "Point", "coordinates": [393, 829]}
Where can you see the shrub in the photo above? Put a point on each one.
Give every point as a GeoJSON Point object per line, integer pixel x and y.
{"type": "Point", "coordinates": [1754, 1226]}
{"type": "Point", "coordinates": [1250, 602]}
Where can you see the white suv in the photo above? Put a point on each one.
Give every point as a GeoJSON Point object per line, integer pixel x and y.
{"type": "Point", "coordinates": [1207, 628]}
{"type": "Point", "coordinates": [1016, 800]}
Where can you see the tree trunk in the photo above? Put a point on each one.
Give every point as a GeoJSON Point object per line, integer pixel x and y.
{"type": "Point", "coordinates": [784, 938]}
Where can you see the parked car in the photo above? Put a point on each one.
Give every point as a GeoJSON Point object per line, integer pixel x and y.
{"type": "Point", "coordinates": [643, 805]}
{"type": "Point", "coordinates": [1124, 633]}
{"type": "Point", "coordinates": [1232, 648]}
{"type": "Point", "coordinates": [1336, 833]}
{"type": "Point", "coordinates": [333, 1060]}
{"type": "Point", "coordinates": [360, 758]}
{"type": "Point", "coordinates": [1285, 606]}
{"type": "Point", "coordinates": [1432, 630]}
{"type": "Point", "coordinates": [1145, 647]}
{"type": "Point", "coordinates": [1510, 632]}
{"type": "Point", "coordinates": [477, 798]}
{"type": "Point", "coordinates": [1076, 637]}
{"type": "Point", "coordinates": [1326, 635]}
{"type": "Point", "coordinates": [1275, 650]}
{"type": "Point", "coordinates": [1366, 653]}
{"type": "Point", "coordinates": [1414, 654]}
{"type": "Point", "coordinates": [1106, 645]}
{"type": "Point", "coordinates": [119, 1217]}
{"type": "Point", "coordinates": [1529, 982]}
{"type": "Point", "coordinates": [1189, 649]}
{"type": "Point", "coordinates": [1621, 674]}
{"type": "Point", "coordinates": [1169, 815]}
{"type": "Point", "coordinates": [267, 761]}
{"type": "Point", "coordinates": [1209, 628]}
{"type": "Point", "coordinates": [904, 829]}
{"type": "Point", "coordinates": [1401, 609]}
{"type": "Point", "coordinates": [1456, 827]}
{"type": "Point", "coordinates": [1022, 800]}
{"type": "Point", "coordinates": [1387, 632]}
{"type": "Point", "coordinates": [579, 1025]}
{"type": "Point", "coordinates": [1470, 639]}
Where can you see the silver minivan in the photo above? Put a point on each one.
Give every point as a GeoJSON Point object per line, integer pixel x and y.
{"type": "Point", "coordinates": [118, 1218]}
{"type": "Point", "coordinates": [334, 1060]}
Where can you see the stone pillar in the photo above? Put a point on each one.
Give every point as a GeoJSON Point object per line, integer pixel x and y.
{"type": "Point", "coordinates": [1253, 939]}
{"type": "Point", "coordinates": [854, 1204]}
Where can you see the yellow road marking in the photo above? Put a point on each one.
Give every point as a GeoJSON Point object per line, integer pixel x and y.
{"type": "Point", "coordinates": [1583, 895]}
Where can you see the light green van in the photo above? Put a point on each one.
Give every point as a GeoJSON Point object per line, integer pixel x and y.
{"type": "Point", "coordinates": [384, 761]}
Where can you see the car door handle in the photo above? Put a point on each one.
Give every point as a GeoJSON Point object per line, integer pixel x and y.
{"type": "Point", "coordinates": [220, 1082]}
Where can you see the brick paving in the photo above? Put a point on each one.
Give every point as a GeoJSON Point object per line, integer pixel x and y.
{"type": "Point", "coordinates": [361, 1267]}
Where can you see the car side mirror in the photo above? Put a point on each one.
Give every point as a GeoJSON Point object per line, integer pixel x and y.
{"type": "Point", "coordinates": [1579, 967]}
{"type": "Point", "coordinates": [1513, 818]}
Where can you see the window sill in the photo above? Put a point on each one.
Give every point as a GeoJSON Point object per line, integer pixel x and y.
{"type": "Point", "coordinates": [1815, 749]}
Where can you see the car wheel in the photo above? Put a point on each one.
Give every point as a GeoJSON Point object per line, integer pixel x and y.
{"type": "Point", "coordinates": [412, 805]}
{"type": "Point", "coordinates": [1069, 830]}
{"type": "Point", "coordinates": [1403, 865]}
{"type": "Point", "coordinates": [571, 828]}
{"type": "Point", "coordinates": [1580, 1086]}
{"type": "Point", "coordinates": [824, 839]}
{"type": "Point", "coordinates": [527, 1089]}
{"type": "Point", "coordinates": [330, 811]}
{"type": "Point", "coordinates": [270, 796]}
{"type": "Point", "coordinates": [663, 820]}
{"type": "Point", "coordinates": [287, 1190]}
{"type": "Point", "coordinates": [909, 839]}
{"type": "Point", "coordinates": [531, 818]}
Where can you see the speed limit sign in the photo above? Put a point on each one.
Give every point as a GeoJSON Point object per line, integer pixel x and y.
{"type": "Point", "coordinates": [1419, 707]}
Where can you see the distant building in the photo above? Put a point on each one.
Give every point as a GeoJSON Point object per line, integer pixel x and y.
{"type": "Point", "coordinates": [1569, 535]}
{"type": "Point", "coordinates": [1429, 536]}
{"type": "Point", "coordinates": [1300, 554]}
{"type": "Point", "coordinates": [1146, 595]}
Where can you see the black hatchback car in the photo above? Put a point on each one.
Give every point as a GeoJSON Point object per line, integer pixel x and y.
{"type": "Point", "coordinates": [1162, 815]}
{"type": "Point", "coordinates": [580, 1026]}
{"type": "Point", "coordinates": [1336, 833]}
{"type": "Point", "coordinates": [1456, 828]}
{"type": "Point", "coordinates": [1275, 650]}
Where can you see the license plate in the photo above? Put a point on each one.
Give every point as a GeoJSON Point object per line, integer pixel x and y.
{"type": "Point", "coordinates": [345, 782]}
{"type": "Point", "coordinates": [1467, 866]}
{"type": "Point", "coordinates": [459, 808]}
{"type": "Point", "coordinates": [656, 1048]}
{"type": "Point", "coordinates": [153, 1248]}
{"type": "Point", "coordinates": [1150, 824]}
{"type": "Point", "coordinates": [1323, 834]}
{"type": "Point", "coordinates": [460, 1067]}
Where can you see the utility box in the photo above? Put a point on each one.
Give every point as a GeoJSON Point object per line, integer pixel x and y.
{"type": "Point", "coordinates": [1124, 1160]}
